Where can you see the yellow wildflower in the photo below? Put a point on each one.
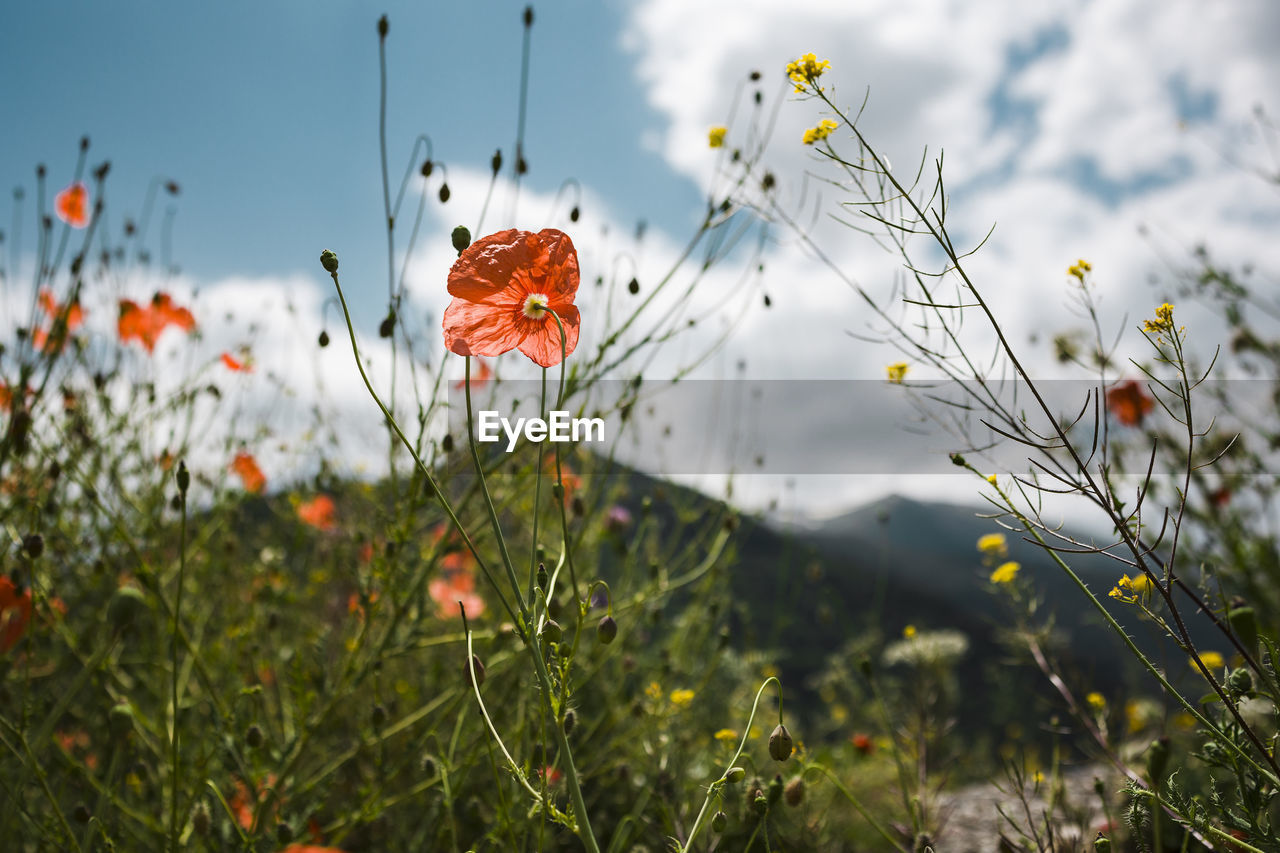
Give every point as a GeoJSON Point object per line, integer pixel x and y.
{"type": "Point", "coordinates": [1211, 660]}
{"type": "Point", "coordinates": [726, 735]}
{"type": "Point", "coordinates": [1129, 589]}
{"type": "Point", "coordinates": [715, 137]}
{"type": "Point", "coordinates": [822, 131]}
{"type": "Point", "coordinates": [992, 479]}
{"type": "Point", "coordinates": [993, 544]}
{"type": "Point", "coordinates": [1079, 268]}
{"type": "Point", "coordinates": [1163, 321]}
{"type": "Point", "coordinates": [1006, 572]}
{"type": "Point", "coordinates": [805, 70]}
{"type": "Point", "coordinates": [681, 698]}
{"type": "Point", "coordinates": [1096, 701]}
{"type": "Point", "coordinates": [1038, 777]}
{"type": "Point", "coordinates": [654, 690]}
{"type": "Point", "coordinates": [897, 371]}
{"type": "Point", "coordinates": [909, 631]}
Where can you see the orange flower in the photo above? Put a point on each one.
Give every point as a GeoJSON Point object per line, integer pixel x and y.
{"type": "Point", "coordinates": [483, 373]}
{"type": "Point", "coordinates": [318, 512]}
{"type": "Point", "coordinates": [15, 613]}
{"type": "Point", "coordinates": [246, 467]}
{"type": "Point", "coordinates": [503, 286]}
{"type": "Point", "coordinates": [147, 324]}
{"type": "Point", "coordinates": [51, 341]}
{"type": "Point", "coordinates": [244, 807]}
{"type": "Point", "coordinates": [72, 205]}
{"type": "Point", "coordinates": [1129, 402]}
{"type": "Point", "coordinates": [233, 364]}
{"type": "Point", "coordinates": [863, 744]}
{"type": "Point", "coordinates": [456, 586]}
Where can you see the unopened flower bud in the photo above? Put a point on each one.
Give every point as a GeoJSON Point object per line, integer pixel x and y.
{"type": "Point", "coordinates": [542, 577]}
{"type": "Point", "coordinates": [81, 813]}
{"type": "Point", "coordinates": [1102, 844]}
{"type": "Point", "coordinates": [388, 324]}
{"type": "Point", "coordinates": [760, 803]}
{"type": "Point", "coordinates": [958, 460]}
{"type": "Point", "coordinates": [551, 631]}
{"type": "Point", "coordinates": [461, 238]}
{"type": "Point", "coordinates": [1240, 681]}
{"type": "Point", "coordinates": [253, 737]}
{"type": "Point", "coordinates": [329, 261]}
{"type": "Point", "coordinates": [574, 214]}
{"type": "Point", "coordinates": [1157, 759]}
{"type": "Point", "coordinates": [120, 719]}
{"type": "Point", "coordinates": [633, 286]}
{"type": "Point", "coordinates": [126, 607]}
{"type": "Point", "coordinates": [33, 544]}
{"type": "Point", "coordinates": [383, 27]}
{"type": "Point", "coordinates": [183, 477]}
{"type": "Point", "coordinates": [719, 821]}
{"type": "Point", "coordinates": [606, 630]}
{"type": "Point", "coordinates": [284, 833]}
{"type": "Point", "coordinates": [780, 744]}
{"type": "Point", "coordinates": [323, 340]}
{"type": "Point", "coordinates": [495, 162]}
{"type": "Point", "coordinates": [444, 193]}
{"type": "Point", "coordinates": [795, 792]}
{"type": "Point", "coordinates": [734, 775]}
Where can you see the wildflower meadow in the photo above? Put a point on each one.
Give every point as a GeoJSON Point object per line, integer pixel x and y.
{"type": "Point", "coordinates": [495, 633]}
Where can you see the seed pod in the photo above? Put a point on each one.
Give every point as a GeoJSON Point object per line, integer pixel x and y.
{"type": "Point", "coordinates": [606, 630]}
{"type": "Point", "coordinates": [329, 261]}
{"type": "Point", "coordinates": [551, 631]}
{"type": "Point", "coordinates": [780, 744]}
{"type": "Point", "coordinates": [719, 821]}
{"type": "Point", "coordinates": [253, 737]}
{"type": "Point", "coordinates": [461, 237]}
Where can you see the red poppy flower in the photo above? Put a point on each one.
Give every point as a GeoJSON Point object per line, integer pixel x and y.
{"type": "Point", "coordinates": [318, 512]}
{"type": "Point", "coordinates": [480, 376]}
{"type": "Point", "coordinates": [15, 613]}
{"type": "Point", "coordinates": [244, 807]}
{"type": "Point", "coordinates": [863, 744]}
{"type": "Point", "coordinates": [456, 586]}
{"type": "Point", "coordinates": [1129, 402]}
{"type": "Point", "coordinates": [246, 468]}
{"type": "Point", "coordinates": [503, 286]}
{"type": "Point", "coordinates": [146, 324]}
{"type": "Point", "coordinates": [51, 341]}
{"type": "Point", "coordinates": [72, 205]}
{"type": "Point", "coordinates": [233, 363]}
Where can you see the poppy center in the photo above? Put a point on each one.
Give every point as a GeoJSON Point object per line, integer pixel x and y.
{"type": "Point", "coordinates": [535, 306]}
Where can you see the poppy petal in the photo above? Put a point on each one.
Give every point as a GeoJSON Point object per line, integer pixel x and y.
{"type": "Point", "coordinates": [489, 265]}
{"type": "Point", "coordinates": [477, 328]}
{"type": "Point", "coordinates": [543, 345]}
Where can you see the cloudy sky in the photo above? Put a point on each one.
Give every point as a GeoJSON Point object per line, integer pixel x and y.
{"type": "Point", "coordinates": [1121, 131]}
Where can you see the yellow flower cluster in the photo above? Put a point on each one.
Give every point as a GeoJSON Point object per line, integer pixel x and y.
{"type": "Point", "coordinates": [1079, 268]}
{"type": "Point", "coordinates": [805, 70]}
{"type": "Point", "coordinates": [1211, 660]}
{"type": "Point", "coordinates": [681, 698]}
{"type": "Point", "coordinates": [897, 371]}
{"type": "Point", "coordinates": [726, 735]}
{"type": "Point", "coordinates": [1163, 321]}
{"type": "Point", "coordinates": [993, 544]}
{"type": "Point", "coordinates": [822, 131]}
{"type": "Point", "coordinates": [715, 136]}
{"type": "Point", "coordinates": [1006, 572]}
{"type": "Point", "coordinates": [1129, 589]}
{"type": "Point", "coordinates": [1097, 702]}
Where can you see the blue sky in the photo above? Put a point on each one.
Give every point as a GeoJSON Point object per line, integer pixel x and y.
{"type": "Point", "coordinates": [1070, 124]}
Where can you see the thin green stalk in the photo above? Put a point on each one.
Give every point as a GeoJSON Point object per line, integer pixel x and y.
{"type": "Point", "coordinates": [183, 479]}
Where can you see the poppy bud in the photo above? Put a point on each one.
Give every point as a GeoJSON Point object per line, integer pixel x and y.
{"type": "Point", "coordinates": [734, 775]}
{"type": "Point", "coordinates": [780, 744]}
{"type": "Point", "coordinates": [958, 460]}
{"type": "Point", "coordinates": [126, 606]}
{"type": "Point", "coordinates": [253, 737]}
{"type": "Point", "coordinates": [466, 670]}
{"type": "Point", "coordinates": [1102, 844]}
{"type": "Point", "coordinates": [496, 161]}
{"type": "Point", "coordinates": [522, 165]}
{"type": "Point", "coordinates": [574, 214]}
{"type": "Point", "coordinates": [767, 301]}
{"type": "Point", "coordinates": [528, 16]}
{"type": "Point", "coordinates": [284, 833]}
{"type": "Point", "coordinates": [1244, 623]}
{"type": "Point", "coordinates": [33, 544]}
{"type": "Point", "coordinates": [427, 168]}
{"type": "Point", "coordinates": [323, 340]}
{"type": "Point", "coordinates": [329, 261]}
{"type": "Point", "coordinates": [172, 188]}
{"type": "Point", "coordinates": [542, 577]}
{"type": "Point", "coordinates": [759, 803]}
{"type": "Point", "coordinates": [120, 719]}
{"type": "Point", "coordinates": [81, 813]}
{"type": "Point", "coordinates": [719, 821]}
{"type": "Point", "coordinates": [383, 27]}
{"type": "Point", "coordinates": [200, 822]}
{"type": "Point", "coordinates": [755, 75]}
{"type": "Point", "coordinates": [1240, 681]}
{"type": "Point", "coordinates": [446, 443]}
{"type": "Point", "coordinates": [606, 630]}
{"type": "Point", "coordinates": [551, 631]}
{"type": "Point", "coordinates": [428, 766]}
{"type": "Point", "coordinates": [183, 477]}
{"type": "Point", "coordinates": [444, 193]}
{"type": "Point", "coordinates": [775, 790]}
{"type": "Point", "coordinates": [795, 792]}
{"type": "Point", "coordinates": [388, 325]}
{"type": "Point", "coordinates": [1157, 759]}
{"type": "Point", "coordinates": [461, 237]}
{"type": "Point", "coordinates": [633, 286]}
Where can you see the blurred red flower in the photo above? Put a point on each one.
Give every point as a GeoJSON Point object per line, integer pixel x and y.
{"type": "Point", "coordinates": [146, 324]}
{"type": "Point", "coordinates": [503, 285]}
{"type": "Point", "coordinates": [233, 363]}
{"type": "Point", "coordinates": [457, 585]}
{"type": "Point", "coordinates": [1129, 402]}
{"type": "Point", "coordinates": [51, 341]}
{"type": "Point", "coordinates": [15, 613]}
{"type": "Point", "coordinates": [246, 468]}
{"type": "Point", "coordinates": [863, 744]}
{"type": "Point", "coordinates": [318, 512]}
{"type": "Point", "coordinates": [72, 205]}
